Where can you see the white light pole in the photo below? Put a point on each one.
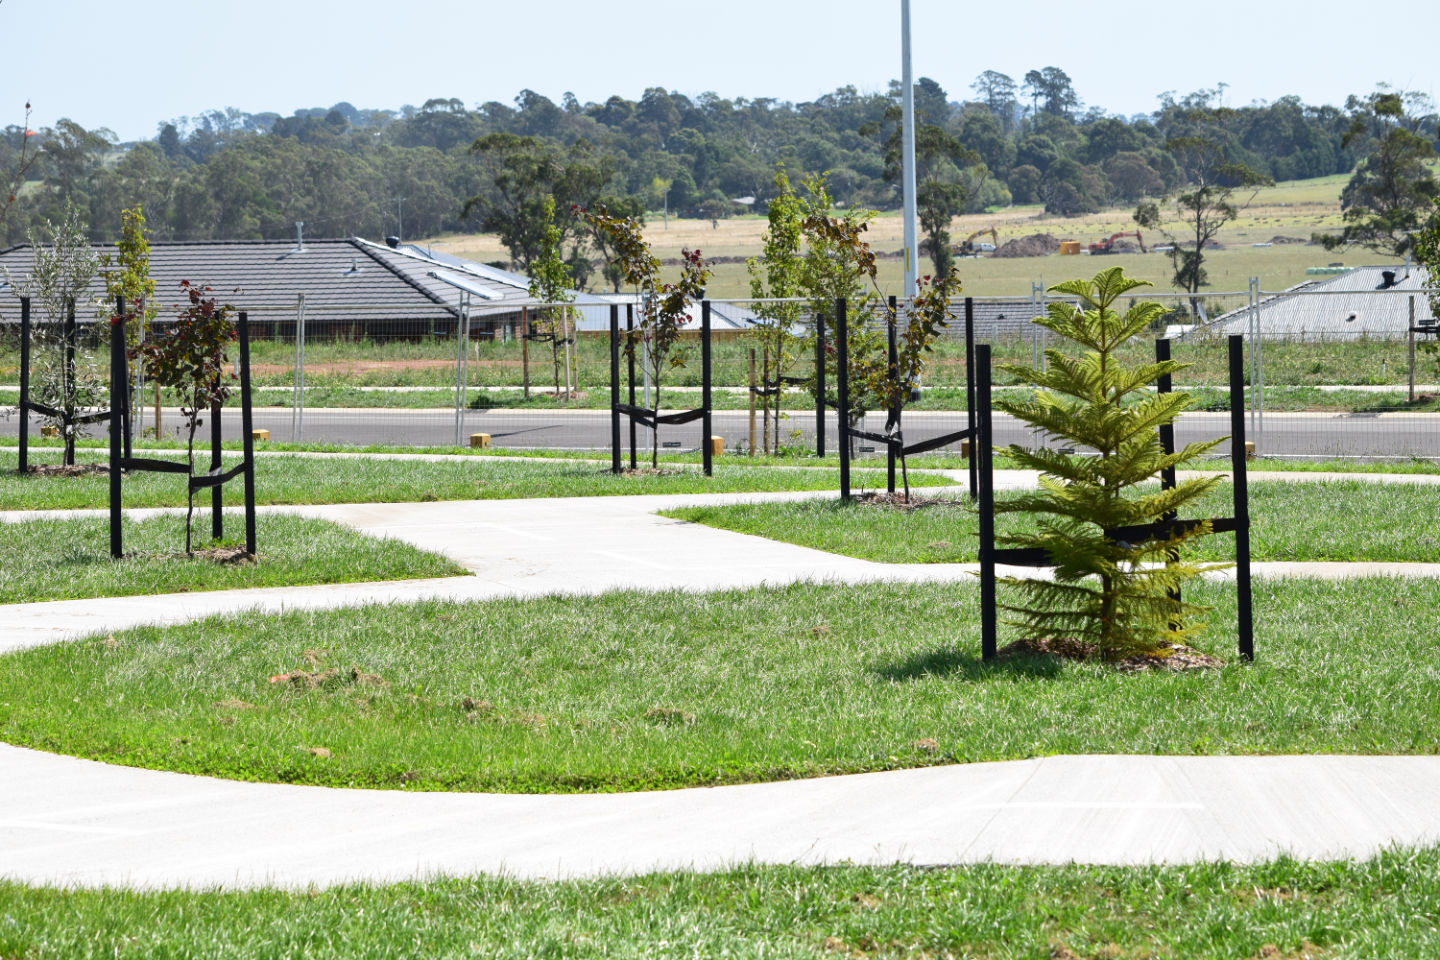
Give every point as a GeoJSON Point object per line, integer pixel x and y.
{"type": "Point", "coordinates": [907, 140]}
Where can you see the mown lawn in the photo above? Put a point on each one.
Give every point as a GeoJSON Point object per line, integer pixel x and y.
{"type": "Point", "coordinates": [637, 691]}
{"type": "Point", "coordinates": [1342, 520]}
{"type": "Point", "coordinates": [314, 480]}
{"type": "Point", "coordinates": [1386, 907]}
{"type": "Point", "coordinates": [66, 559]}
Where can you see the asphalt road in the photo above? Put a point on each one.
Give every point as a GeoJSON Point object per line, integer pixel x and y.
{"type": "Point", "coordinates": [1285, 434]}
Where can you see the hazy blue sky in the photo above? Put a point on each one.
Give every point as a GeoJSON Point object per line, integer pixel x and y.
{"type": "Point", "coordinates": [130, 66]}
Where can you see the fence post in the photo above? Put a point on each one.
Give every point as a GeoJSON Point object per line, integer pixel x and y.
{"type": "Point", "coordinates": [819, 383]}
{"type": "Point", "coordinates": [892, 413]}
{"type": "Point", "coordinates": [752, 402]}
{"type": "Point", "coordinates": [117, 386]}
{"type": "Point", "coordinates": [615, 388]}
{"type": "Point", "coordinates": [842, 394]}
{"type": "Point", "coordinates": [297, 407]}
{"type": "Point", "coordinates": [525, 351]}
{"type": "Point", "coordinates": [630, 362]}
{"type": "Point", "coordinates": [25, 383]}
{"type": "Point", "coordinates": [970, 387]}
{"type": "Point", "coordinates": [706, 421]}
{"type": "Point", "coordinates": [1412, 354]}
{"type": "Point", "coordinates": [1242, 497]}
{"type": "Point", "coordinates": [981, 453]}
{"type": "Point", "coordinates": [247, 433]}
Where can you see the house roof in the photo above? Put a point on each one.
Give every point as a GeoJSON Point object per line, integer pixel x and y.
{"type": "Point", "coordinates": [1354, 304]}
{"type": "Point", "coordinates": [341, 279]}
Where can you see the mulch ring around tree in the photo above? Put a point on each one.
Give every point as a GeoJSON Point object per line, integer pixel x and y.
{"type": "Point", "coordinates": [1175, 658]}
{"type": "Point", "coordinates": [76, 470]}
{"type": "Point", "coordinates": [898, 501]}
{"type": "Point", "coordinates": [224, 556]}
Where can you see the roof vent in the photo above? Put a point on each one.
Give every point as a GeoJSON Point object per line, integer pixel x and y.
{"type": "Point", "coordinates": [355, 268]}
{"type": "Point", "coordinates": [299, 236]}
{"type": "Point", "coordinates": [1387, 279]}
{"type": "Point", "coordinates": [393, 242]}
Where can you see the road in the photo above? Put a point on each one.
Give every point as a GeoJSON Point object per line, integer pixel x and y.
{"type": "Point", "coordinates": [1285, 434]}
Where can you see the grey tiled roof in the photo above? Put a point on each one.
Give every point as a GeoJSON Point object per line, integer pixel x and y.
{"type": "Point", "coordinates": [341, 279]}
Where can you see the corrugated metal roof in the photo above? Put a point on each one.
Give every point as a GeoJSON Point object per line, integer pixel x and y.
{"type": "Point", "coordinates": [1349, 306]}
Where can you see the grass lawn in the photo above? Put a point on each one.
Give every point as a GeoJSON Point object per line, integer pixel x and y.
{"type": "Point", "coordinates": [1322, 520]}
{"type": "Point", "coordinates": [68, 559]}
{"type": "Point", "coordinates": [628, 691]}
{"type": "Point", "coordinates": [310, 480]}
{"type": "Point", "coordinates": [1284, 910]}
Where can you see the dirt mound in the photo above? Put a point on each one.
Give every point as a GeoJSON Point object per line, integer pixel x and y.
{"type": "Point", "coordinates": [1176, 659]}
{"type": "Point", "coordinates": [1035, 245]}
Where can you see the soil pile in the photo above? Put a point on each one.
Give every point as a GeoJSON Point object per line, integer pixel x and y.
{"type": "Point", "coordinates": [1035, 245]}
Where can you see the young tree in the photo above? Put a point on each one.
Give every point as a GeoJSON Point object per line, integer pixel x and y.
{"type": "Point", "coordinates": [550, 284]}
{"type": "Point", "coordinates": [24, 159]}
{"type": "Point", "coordinates": [778, 274]}
{"type": "Point", "coordinates": [1390, 192]}
{"type": "Point", "coordinates": [65, 377]}
{"type": "Point", "coordinates": [190, 359]}
{"type": "Point", "coordinates": [629, 207]}
{"type": "Point", "coordinates": [664, 307]}
{"type": "Point", "coordinates": [127, 275]}
{"type": "Point", "coordinates": [1206, 203]}
{"type": "Point", "coordinates": [1110, 593]}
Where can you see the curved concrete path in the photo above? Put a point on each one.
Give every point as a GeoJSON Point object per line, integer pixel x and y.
{"type": "Point", "coordinates": [70, 821]}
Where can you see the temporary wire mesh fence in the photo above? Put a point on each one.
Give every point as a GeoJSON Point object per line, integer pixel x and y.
{"type": "Point", "coordinates": [1330, 374]}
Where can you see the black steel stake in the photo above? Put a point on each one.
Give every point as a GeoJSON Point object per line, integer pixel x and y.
{"type": "Point", "coordinates": [970, 386]}
{"type": "Point", "coordinates": [1167, 475]}
{"type": "Point", "coordinates": [24, 384]}
{"type": "Point", "coordinates": [247, 434]}
{"type": "Point", "coordinates": [217, 492]}
{"type": "Point", "coordinates": [842, 394]}
{"type": "Point", "coordinates": [706, 423]}
{"type": "Point", "coordinates": [892, 414]}
{"type": "Point", "coordinates": [1243, 609]}
{"type": "Point", "coordinates": [980, 457]}
{"type": "Point", "coordinates": [615, 388]}
{"type": "Point", "coordinates": [630, 360]}
{"type": "Point", "coordinates": [117, 385]}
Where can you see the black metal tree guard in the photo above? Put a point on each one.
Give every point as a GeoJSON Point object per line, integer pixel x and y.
{"type": "Point", "coordinates": [653, 418]}
{"type": "Point", "coordinates": [1239, 524]}
{"type": "Point", "coordinates": [67, 421]}
{"type": "Point", "coordinates": [894, 436]}
{"type": "Point", "coordinates": [216, 478]}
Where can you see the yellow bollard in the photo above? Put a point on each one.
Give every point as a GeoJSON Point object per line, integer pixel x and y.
{"type": "Point", "coordinates": [1249, 449]}
{"type": "Point", "coordinates": [259, 436]}
{"type": "Point", "coordinates": [965, 449]}
{"type": "Point", "coordinates": [717, 446]}
{"type": "Point", "coordinates": [49, 431]}
{"type": "Point", "coordinates": [479, 441]}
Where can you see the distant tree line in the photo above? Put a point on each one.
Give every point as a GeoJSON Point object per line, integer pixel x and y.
{"type": "Point", "coordinates": [444, 166]}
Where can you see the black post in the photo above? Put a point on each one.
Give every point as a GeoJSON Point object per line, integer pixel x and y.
{"type": "Point", "coordinates": [67, 383]}
{"type": "Point", "coordinates": [247, 434]}
{"type": "Point", "coordinates": [706, 424]}
{"type": "Point", "coordinates": [24, 384]}
{"type": "Point", "coordinates": [970, 387]}
{"type": "Point", "coordinates": [842, 395]}
{"type": "Point", "coordinates": [1243, 610]}
{"type": "Point", "coordinates": [615, 388]}
{"type": "Point", "coordinates": [117, 386]}
{"type": "Point", "coordinates": [819, 383]}
{"type": "Point", "coordinates": [892, 415]}
{"type": "Point", "coordinates": [630, 359]}
{"type": "Point", "coordinates": [217, 492]}
{"type": "Point", "coordinates": [1167, 447]}
{"type": "Point", "coordinates": [980, 458]}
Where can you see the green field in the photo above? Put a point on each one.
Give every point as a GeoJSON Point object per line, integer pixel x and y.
{"type": "Point", "coordinates": [631, 692]}
{"type": "Point", "coordinates": [1342, 521]}
{"type": "Point", "coordinates": [1385, 907]}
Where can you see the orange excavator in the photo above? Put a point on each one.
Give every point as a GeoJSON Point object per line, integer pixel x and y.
{"type": "Point", "coordinates": [1108, 244]}
{"type": "Point", "coordinates": [967, 248]}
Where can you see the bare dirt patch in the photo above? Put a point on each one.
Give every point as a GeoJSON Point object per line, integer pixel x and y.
{"type": "Point", "coordinates": [77, 470]}
{"type": "Point", "coordinates": [898, 501]}
{"type": "Point", "coordinates": [1175, 659]}
{"type": "Point", "coordinates": [1035, 245]}
{"type": "Point", "coordinates": [354, 367]}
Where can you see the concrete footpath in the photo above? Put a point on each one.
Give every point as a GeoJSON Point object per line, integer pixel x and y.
{"type": "Point", "coordinates": [70, 821]}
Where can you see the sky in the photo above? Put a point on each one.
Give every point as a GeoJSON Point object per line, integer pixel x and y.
{"type": "Point", "coordinates": [132, 66]}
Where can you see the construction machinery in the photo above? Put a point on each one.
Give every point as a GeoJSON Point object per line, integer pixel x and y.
{"type": "Point", "coordinates": [1108, 244]}
{"type": "Point", "coordinates": [968, 247]}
